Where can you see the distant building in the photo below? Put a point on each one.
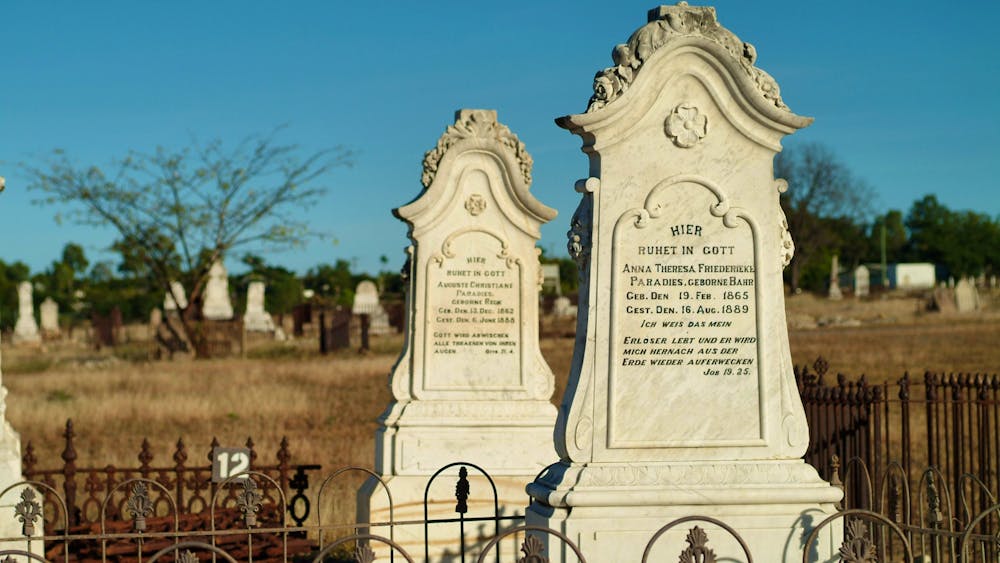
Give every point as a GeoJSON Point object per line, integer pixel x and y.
{"type": "Point", "coordinates": [907, 275]}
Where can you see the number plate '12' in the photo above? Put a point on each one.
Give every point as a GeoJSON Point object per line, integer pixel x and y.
{"type": "Point", "coordinates": [227, 462]}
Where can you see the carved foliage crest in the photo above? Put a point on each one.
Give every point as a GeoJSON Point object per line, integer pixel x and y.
{"type": "Point", "coordinates": [476, 124]}
{"type": "Point", "coordinates": [666, 24]}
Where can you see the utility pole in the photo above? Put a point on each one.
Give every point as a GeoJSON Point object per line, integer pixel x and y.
{"type": "Point", "coordinates": [885, 268]}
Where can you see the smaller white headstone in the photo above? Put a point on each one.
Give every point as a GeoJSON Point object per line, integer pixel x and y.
{"type": "Point", "coordinates": [49, 313]}
{"type": "Point", "coordinates": [26, 329]}
{"type": "Point", "coordinates": [217, 306]}
{"type": "Point", "coordinates": [256, 318]}
{"type": "Point", "coordinates": [181, 302]}
{"type": "Point", "coordinates": [861, 281]}
{"type": "Point", "coordinates": [366, 303]}
{"type": "Point", "coordinates": [951, 282]}
{"type": "Point", "coordinates": [834, 279]}
{"type": "Point", "coordinates": [993, 282]}
{"type": "Point", "coordinates": [550, 278]}
{"type": "Point", "coordinates": [563, 307]}
{"type": "Point", "coordinates": [966, 296]}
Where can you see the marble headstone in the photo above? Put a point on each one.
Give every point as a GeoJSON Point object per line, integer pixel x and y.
{"type": "Point", "coordinates": [471, 383]}
{"type": "Point", "coordinates": [366, 302]}
{"type": "Point", "coordinates": [966, 296]}
{"type": "Point", "coordinates": [681, 398]}
{"type": "Point", "coordinates": [26, 328]}
{"type": "Point", "coordinates": [862, 279]}
{"type": "Point", "coordinates": [256, 318]}
{"type": "Point", "coordinates": [217, 306]}
{"type": "Point", "coordinates": [48, 313]}
{"type": "Point", "coordinates": [563, 307]}
{"type": "Point", "coordinates": [176, 298]}
{"type": "Point", "coordinates": [835, 292]}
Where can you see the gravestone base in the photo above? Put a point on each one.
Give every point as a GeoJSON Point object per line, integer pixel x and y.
{"type": "Point", "coordinates": [511, 440]}
{"type": "Point", "coordinates": [612, 510]}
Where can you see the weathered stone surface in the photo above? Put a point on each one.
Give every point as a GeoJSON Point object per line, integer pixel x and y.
{"type": "Point", "coordinates": [217, 306]}
{"type": "Point", "coordinates": [48, 313]}
{"type": "Point", "coordinates": [862, 281]}
{"type": "Point", "coordinates": [25, 329]}
{"type": "Point", "coordinates": [176, 298]}
{"type": "Point", "coordinates": [834, 292]}
{"type": "Point", "coordinates": [681, 399]}
{"type": "Point", "coordinates": [471, 383]}
{"type": "Point", "coordinates": [966, 296]}
{"type": "Point", "coordinates": [366, 302]}
{"type": "Point", "coordinates": [256, 319]}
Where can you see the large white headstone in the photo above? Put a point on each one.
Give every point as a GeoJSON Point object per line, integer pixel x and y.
{"type": "Point", "coordinates": [681, 399]}
{"type": "Point", "coordinates": [256, 319]}
{"type": "Point", "coordinates": [48, 313]}
{"type": "Point", "coordinates": [25, 329]}
{"type": "Point", "coordinates": [471, 384]}
{"type": "Point", "coordinates": [217, 306]}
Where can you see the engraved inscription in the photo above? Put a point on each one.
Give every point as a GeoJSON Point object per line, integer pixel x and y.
{"type": "Point", "coordinates": [685, 325]}
{"type": "Point", "coordinates": [473, 336]}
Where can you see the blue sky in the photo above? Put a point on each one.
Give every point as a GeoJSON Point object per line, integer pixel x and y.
{"type": "Point", "coordinates": [907, 94]}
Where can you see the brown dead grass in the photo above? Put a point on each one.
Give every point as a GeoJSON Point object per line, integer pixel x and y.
{"type": "Point", "coordinates": [327, 406]}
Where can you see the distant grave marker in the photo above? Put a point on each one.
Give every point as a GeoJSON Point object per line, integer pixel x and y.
{"type": "Point", "coordinates": [256, 318]}
{"type": "Point", "coordinates": [25, 329]}
{"type": "Point", "coordinates": [217, 306]}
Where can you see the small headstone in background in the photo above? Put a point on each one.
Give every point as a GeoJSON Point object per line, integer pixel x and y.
{"type": "Point", "coordinates": [217, 306]}
{"type": "Point", "coordinates": [48, 313]}
{"type": "Point", "coordinates": [861, 281]}
{"type": "Point", "coordinates": [563, 307]}
{"type": "Point", "coordinates": [966, 296]}
{"type": "Point", "coordinates": [366, 302]}
{"type": "Point", "coordinates": [550, 279]}
{"type": "Point", "coordinates": [256, 318]}
{"type": "Point", "coordinates": [176, 298]}
{"type": "Point", "coordinates": [26, 329]}
{"type": "Point", "coordinates": [993, 282]}
{"type": "Point", "coordinates": [951, 282]}
{"type": "Point", "coordinates": [835, 279]}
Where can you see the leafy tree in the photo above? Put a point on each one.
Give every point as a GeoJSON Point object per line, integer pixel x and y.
{"type": "Point", "coordinates": [333, 283]}
{"type": "Point", "coordinates": [10, 275]}
{"type": "Point", "coordinates": [177, 211]}
{"type": "Point", "coordinates": [820, 189]}
{"type": "Point", "coordinates": [964, 242]}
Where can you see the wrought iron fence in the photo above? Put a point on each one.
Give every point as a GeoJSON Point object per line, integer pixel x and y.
{"type": "Point", "coordinates": [896, 525]}
{"type": "Point", "coordinates": [87, 492]}
{"type": "Point", "coordinates": [950, 422]}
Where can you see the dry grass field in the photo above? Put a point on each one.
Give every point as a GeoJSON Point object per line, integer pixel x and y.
{"type": "Point", "coordinates": [327, 406]}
